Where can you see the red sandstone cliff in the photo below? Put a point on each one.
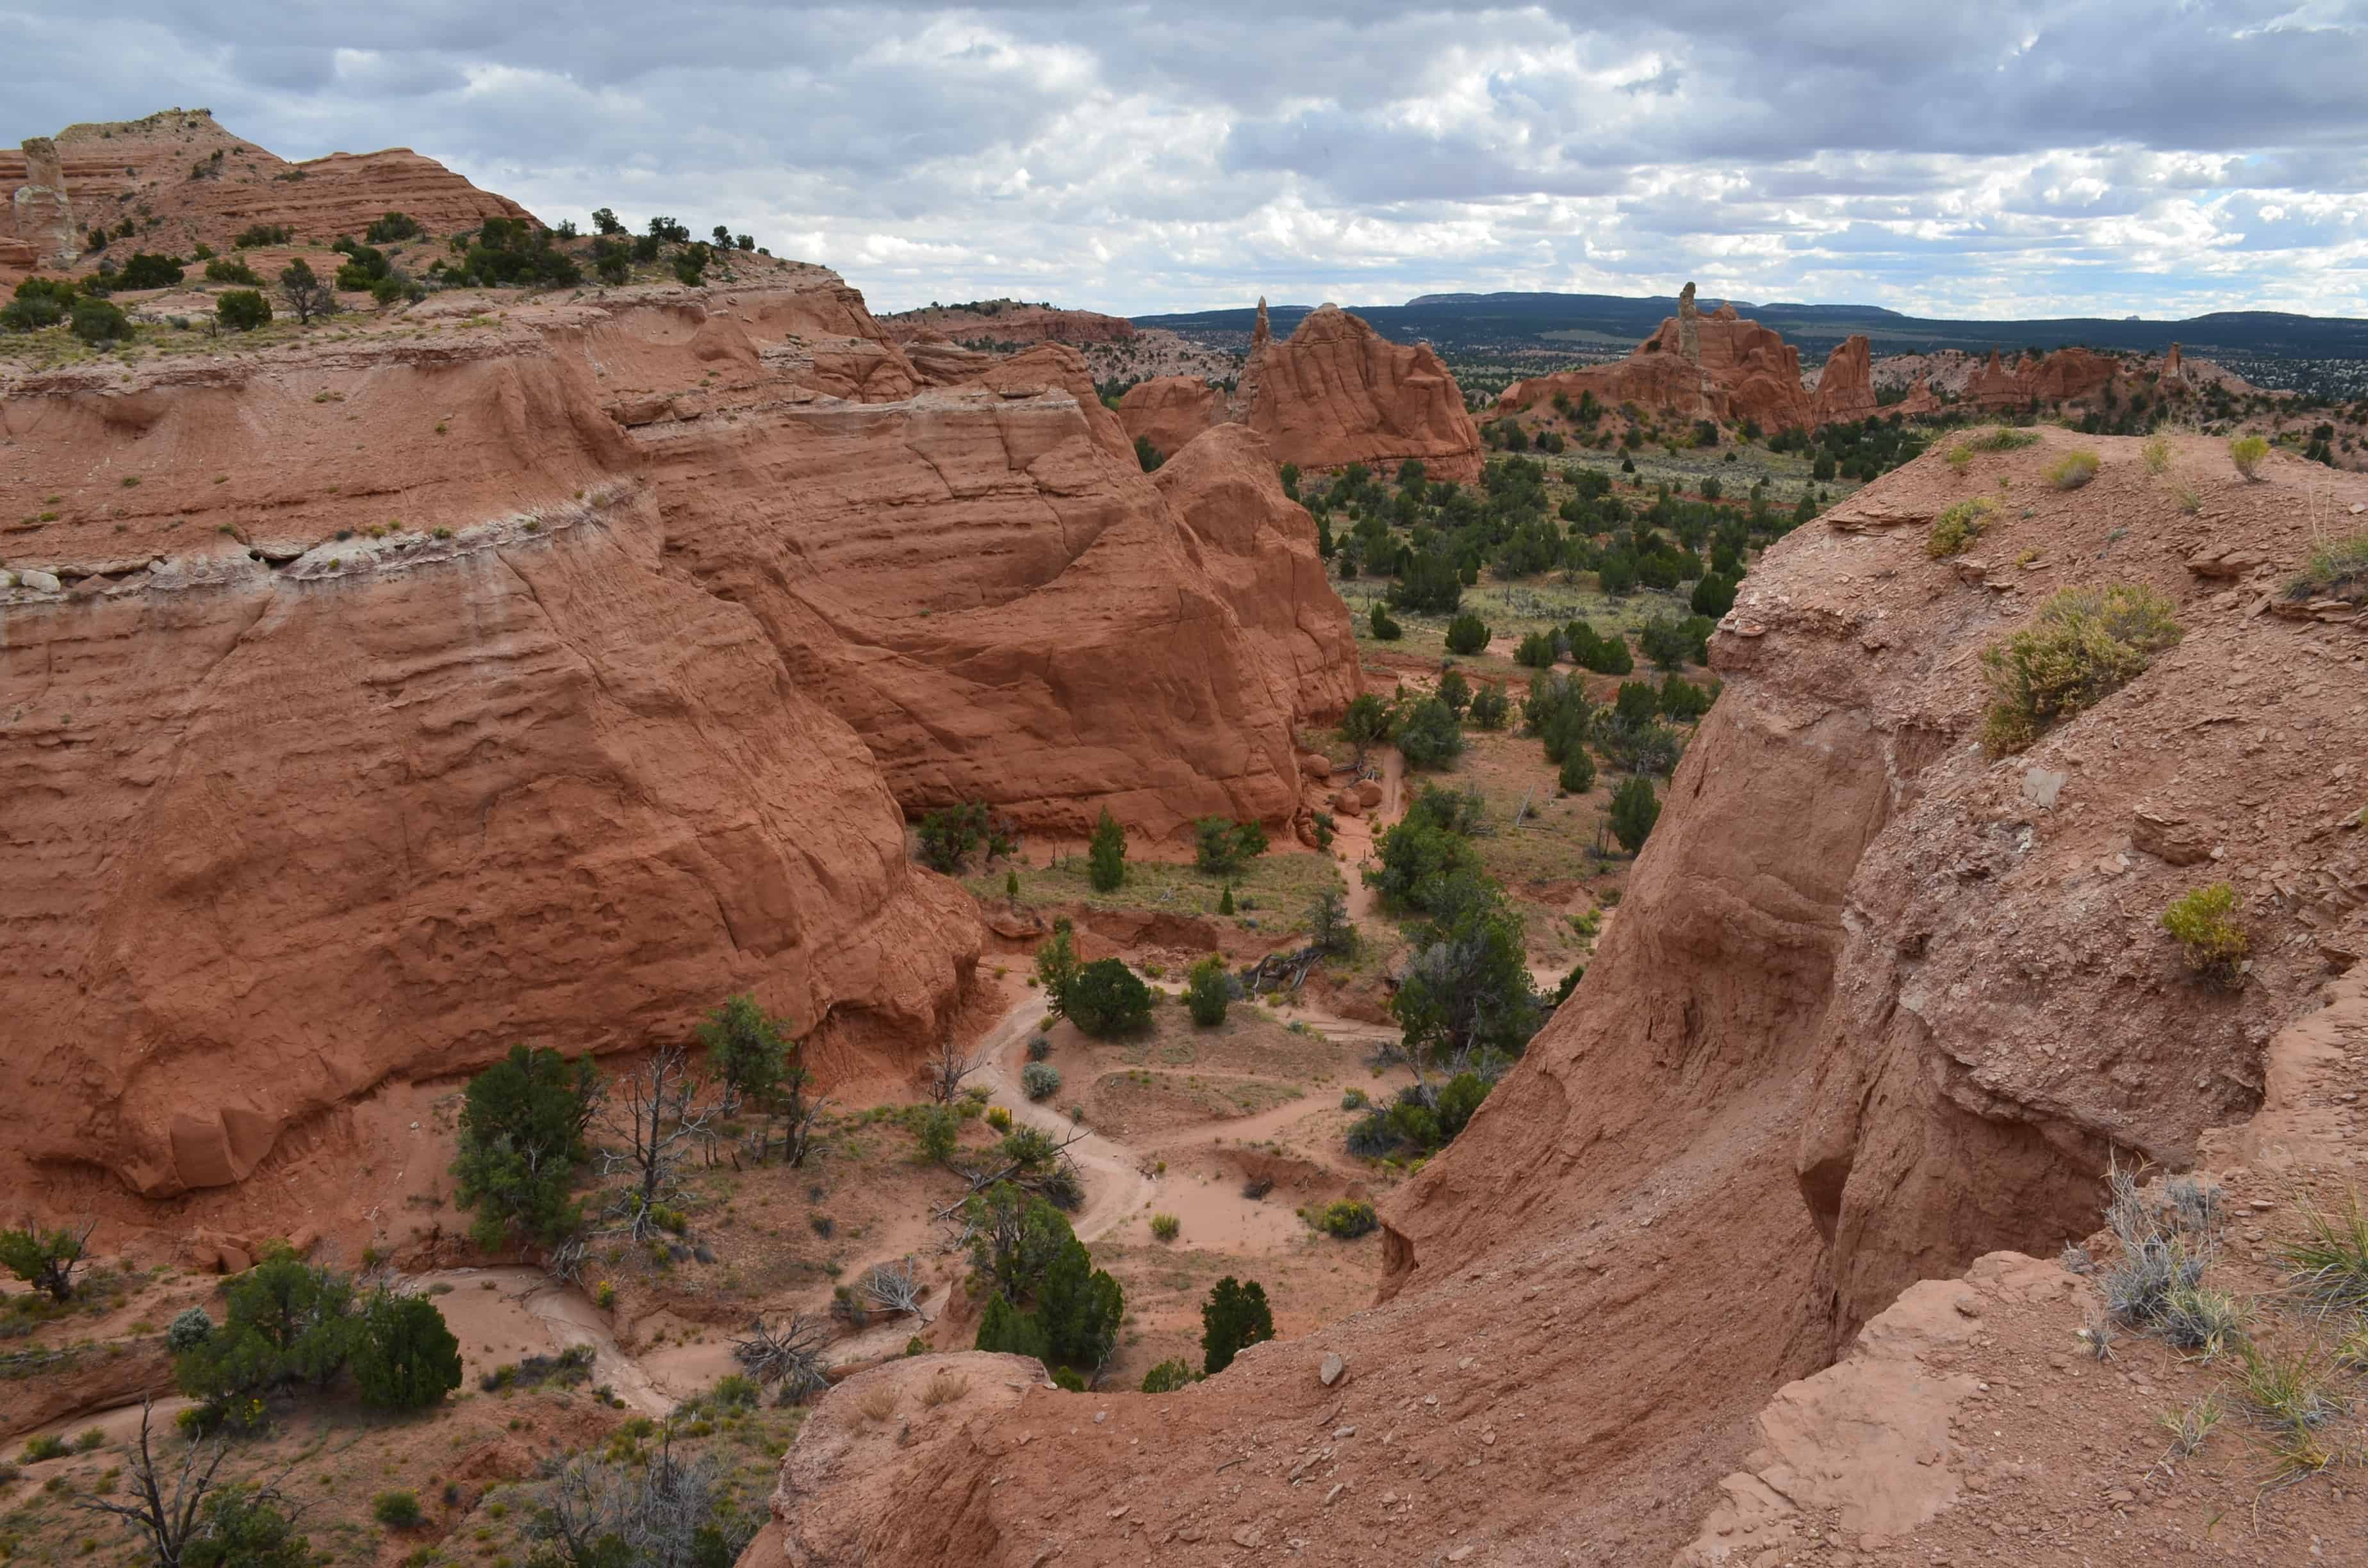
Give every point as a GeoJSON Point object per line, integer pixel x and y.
{"type": "Point", "coordinates": [182, 179]}
{"type": "Point", "coordinates": [552, 680]}
{"type": "Point", "coordinates": [1009, 321]}
{"type": "Point", "coordinates": [1336, 392]}
{"type": "Point", "coordinates": [1170, 411]}
{"type": "Point", "coordinates": [1876, 1005]}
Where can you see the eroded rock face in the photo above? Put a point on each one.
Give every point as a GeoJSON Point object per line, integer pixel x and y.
{"type": "Point", "coordinates": [1846, 389]}
{"type": "Point", "coordinates": [1168, 411]}
{"type": "Point", "coordinates": [1870, 1011]}
{"type": "Point", "coordinates": [41, 213]}
{"type": "Point", "coordinates": [1336, 392]}
{"type": "Point", "coordinates": [203, 183]}
{"type": "Point", "coordinates": [569, 700]}
{"type": "Point", "coordinates": [1009, 321]}
{"type": "Point", "coordinates": [1716, 367]}
{"type": "Point", "coordinates": [2067, 375]}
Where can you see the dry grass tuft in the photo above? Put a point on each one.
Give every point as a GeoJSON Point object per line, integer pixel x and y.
{"type": "Point", "coordinates": [944, 1386]}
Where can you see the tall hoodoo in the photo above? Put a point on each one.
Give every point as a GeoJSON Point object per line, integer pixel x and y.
{"type": "Point", "coordinates": [1688, 328]}
{"type": "Point", "coordinates": [1336, 392]}
{"type": "Point", "coordinates": [42, 213]}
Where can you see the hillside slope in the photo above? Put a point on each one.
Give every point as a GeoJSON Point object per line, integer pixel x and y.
{"type": "Point", "coordinates": [1876, 1005]}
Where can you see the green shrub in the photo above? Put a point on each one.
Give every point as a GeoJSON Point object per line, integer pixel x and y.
{"type": "Point", "coordinates": [1106, 853]}
{"type": "Point", "coordinates": [2003, 439]}
{"type": "Point", "coordinates": [99, 321]}
{"type": "Point", "coordinates": [38, 302]}
{"type": "Point", "coordinates": [1386, 629]}
{"type": "Point", "coordinates": [392, 228]}
{"type": "Point", "coordinates": [261, 235]}
{"type": "Point", "coordinates": [1490, 706]}
{"type": "Point", "coordinates": [1634, 810]}
{"type": "Point", "coordinates": [1234, 1317]}
{"type": "Point", "coordinates": [146, 269]}
{"type": "Point", "coordinates": [2085, 644]}
{"type": "Point", "coordinates": [230, 270]}
{"type": "Point", "coordinates": [191, 1327]}
{"type": "Point", "coordinates": [2203, 923]}
{"type": "Point", "coordinates": [1165, 1227]}
{"type": "Point", "coordinates": [1040, 1080]}
{"type": "Point", "coordinates": [1578, 776]}
{"type": "Point", "coordinates": [1167, 1376]}
{"type": "Point", "coordinates": [1537, 651]}
{"type": "Point", "coordinates": [1221, 847]}
{"type": "Point", "coordinates": [1039, 1047]}
{"type": "Point", "coordinates": [397, 1510]}
{"type": "Point", "coordinates": [1208, 990]}
{"type": "Point", "coordinates": [2072, 469]}
{"type": "Point", "coordinates": [1105, 999]}
{"type": "Point", "coordinates": [521, 1133]}
{"type": "Point", "coordinates": [1347, 1219]}
{"type": "Point", "coordinates": [1467, 633]}
{"type": "Point", "coordinates": [243, 310]}
{"type": "Point", "coordinates": [1428, 734]}
{"type": "Point", "coordinates": [1959, 524]}
{"type": "Point", "coordinates": [43, 1447]}
{"type": "Point", "coordinates": [2246, 452]}
{"type": "Point", "coordinates": [89, 1441]}
{"type": "Point", "coordinates": [2335, 570]}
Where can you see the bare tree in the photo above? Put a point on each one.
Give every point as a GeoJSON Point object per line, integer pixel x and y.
{"type": "Point", "coordinates": [790, 1354]}
{"type": "Point", "coordinates": [662, 1111]}
{"type": "Point", "coordinates": [168, 1510]}
{"type": "Point", "coordinates": [948, 1068]}
{"type": "Point", "coordinates": [894, 1287]}
{"type": "Point", "coordinates": [656, 1512]}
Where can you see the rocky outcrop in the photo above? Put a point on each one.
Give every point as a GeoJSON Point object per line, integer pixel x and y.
{"type": "Point", "coordinates": [593, 682]}
{"type": "Point", "coordinates": [1168, 411]}
{"type": "Point", "coordinates": [2067, 375]}
{"type": "Point", "coordinates": [2173, 378]}
{"type": "Point", "coordinates": [1336, 392]}
{"type": "Point", "coordinates": [198, 182]}
{"type": "Point", "coordinates": [1716, 367]}
{"type": "Point", "coordinates": [42, 214]}
{"type": "Point", "coordinates": [1876, 1005]}
{"type": "Point", "coordinates": [1008, 320]}
{"type": "Point", "coordinates": [1846, 389]}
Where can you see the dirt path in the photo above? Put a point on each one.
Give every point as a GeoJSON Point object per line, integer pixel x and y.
{"type": "Point", "coordinates": [1116, 1188]}
{"type": "Point", "coordinates": [1355, 836]}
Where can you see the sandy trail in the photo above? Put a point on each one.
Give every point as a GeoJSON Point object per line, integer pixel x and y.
{"type": "Point", "coordinates": [1354, 836]}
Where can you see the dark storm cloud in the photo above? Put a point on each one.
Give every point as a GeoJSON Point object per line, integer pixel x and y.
{"type": "Point", "coordinates": [1995, 157]}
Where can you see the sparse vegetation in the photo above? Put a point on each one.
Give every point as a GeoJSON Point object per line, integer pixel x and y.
{"type": "Point", "coordinates": [2084, 645]}
{"type": "Point", "coordinates": [2247, 453]}
{"type": "Point", "coordinates": [1347, 1219]}
{"type": "Point", "coordinates": [2327, 1266]}
{"type": "Point", "coordinates": [2335, 570]}
{"type": "Point", "coordinates": [1959, 524]}
{"type": "Point", "coordinates": [1165, 1227]}
{"type": "Point", "coordinates": [2072, 469]}
{"type": "Point", "coordinates": [2156, 451]}
{"type": "Point", "coordinates": [2203, 923]}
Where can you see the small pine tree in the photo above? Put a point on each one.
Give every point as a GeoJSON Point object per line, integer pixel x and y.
{"type": "Point", "coordinates": [1225, 900]}
{"type": "Point", "coordinates": [1634, 810]}
{"type": "Point", "coordinates": [409, 1359]}
{"type": "Point", "coordinates": [1234, 1316]}
{"type": "Point", "coordinates": [1577, 771]}
{"type": "Point", "coordinates": [1011, 885]}
{"type": "Point", "coordinates": [1005, 1328]}
{"type": "Point", "coordinates": [1106, 855]}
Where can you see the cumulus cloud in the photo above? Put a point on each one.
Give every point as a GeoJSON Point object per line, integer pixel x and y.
{"type": "Point", "coordinates": [2091, 157]}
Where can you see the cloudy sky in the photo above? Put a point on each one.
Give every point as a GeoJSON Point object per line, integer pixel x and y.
{"type": "Point", "coordinates": [2088, 157]}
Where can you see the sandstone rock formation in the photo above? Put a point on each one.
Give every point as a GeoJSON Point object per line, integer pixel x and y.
{"type": "Point", "coordinates": [553, 680]}
{"type": "Point", "coordinates": [2067, 375]}
{"type": "Point", "coordinates": [1846, 388]}
{"type": "Point", "coordinates": [1168, 411]}
{"type": "Point", "coordinates": [2174, 372]}
{"type": "Point", "coordinates": [1716, 367]}
{"type": "Point", "coordinates": [1336, 392]}
{"type": "Point", "coordinates": [1874, 1006]}
{"type": "Point", "coordinates": [42, 214]}
{"type": "Point", "coordinates": [1009, 321]}
{"type": "Point", "coordinates": [200, 182]}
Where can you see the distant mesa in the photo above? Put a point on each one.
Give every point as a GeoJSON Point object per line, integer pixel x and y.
{"type": "Point", "coordinates": [1007, 321]}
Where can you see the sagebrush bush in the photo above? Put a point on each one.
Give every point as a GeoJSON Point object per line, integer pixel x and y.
{"type": "Point", "coordinates": [396, 1510]}
{"type": "Point", "coordinates": [1040, 1080]}
{"type": "Point", "coordinates": [1960, 456]}
{"type": "Point", "coordinates": [2084, 645]}
{"type": "Point", "coordinates": [2203, 923]}
{"type": "Point", "coordinates": [2003, 439]}
{"type": "Point", "coordinates": [2156, 450]}
{"type": "Point", "coordinates": [2072, 469]}
{"type": "Point", "coordinates": [2335, 570]}
{"type": "Point", "coordinates": [2246, 452]}
{"type": "Point", "coordinates": [1347, 1219]}
{"type": "Point", "coordinates": [1165, 1227]}
{"type": "Point", "coordinates": [1959, 524]}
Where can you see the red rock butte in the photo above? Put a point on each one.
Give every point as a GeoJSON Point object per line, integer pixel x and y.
{"type": "Point", "coordinates": [385, 700]}
{"type": "Point", "coordinates": [1718, 367]}
{"type": "Point", "coordinates": [1336, 392]}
